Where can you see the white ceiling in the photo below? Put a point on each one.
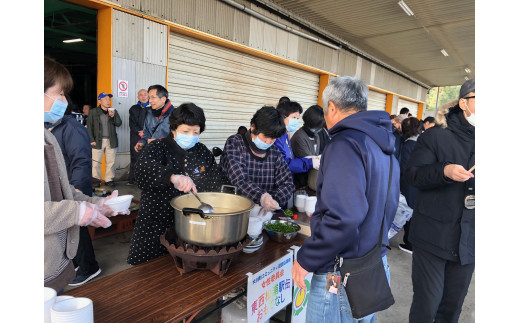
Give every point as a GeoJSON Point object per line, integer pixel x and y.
{"type": "Point", "coordinates": [410, 44]}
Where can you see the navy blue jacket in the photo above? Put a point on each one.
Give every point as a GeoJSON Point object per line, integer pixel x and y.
{"type": "Point", "coordinates": [75, 145]}
{"type": "Point", "coordinates": [351, 189]}
{"type": "Point", "coordinates": [157, 128]}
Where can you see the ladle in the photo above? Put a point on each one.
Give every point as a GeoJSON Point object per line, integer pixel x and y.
{"type": "Point", "coordinates": [205, 207]}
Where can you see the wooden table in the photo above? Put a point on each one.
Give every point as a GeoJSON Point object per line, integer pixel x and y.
{"type": "Point", "coordinates": [156, 292]}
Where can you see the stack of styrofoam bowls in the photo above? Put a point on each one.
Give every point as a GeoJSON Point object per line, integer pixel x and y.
{"type": "Point", "coordinates": [49, 296]}
{"type": "Point", "coordinates": [119, 203]}
{"type": "Point", "coordinates": [310, 205]}
{"type": "Point", "coordinates": [73, 310]}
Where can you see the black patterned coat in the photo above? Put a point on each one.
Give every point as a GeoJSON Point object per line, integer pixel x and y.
{"type": "Point", "coordinates": [160, 160]}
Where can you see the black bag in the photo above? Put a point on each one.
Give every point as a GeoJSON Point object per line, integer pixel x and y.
{"type": "Point", "coordinates": [364, 278]}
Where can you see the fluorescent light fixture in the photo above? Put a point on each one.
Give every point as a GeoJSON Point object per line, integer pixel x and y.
{"type": "Point", "coordinates": [444, 52]}
{"type": "Point", "coordinates": [467, 70]}
{"type": "Point", "coordinates": [406, 9]}
{"type": "Point", "coordinates": [75, 40]}
{"type": "Point", "coordinates": [466, 78]}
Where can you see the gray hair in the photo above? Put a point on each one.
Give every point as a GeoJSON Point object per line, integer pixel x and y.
{"type": "Point", "coordinates": [348, 93]}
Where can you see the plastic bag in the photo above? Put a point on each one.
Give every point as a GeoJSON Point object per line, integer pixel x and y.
{"type": "Point", "coordinates": [403, 214]}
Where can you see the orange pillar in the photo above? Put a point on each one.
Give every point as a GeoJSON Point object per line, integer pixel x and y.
{"type": "Point", "coordinates": [420, 110]}
{"type": "Point", "coordinates": [104, 52]}
{"type": "Point", "coordinates": [389, 102]}
{"type": "Point", "coordinates": [324, 81]}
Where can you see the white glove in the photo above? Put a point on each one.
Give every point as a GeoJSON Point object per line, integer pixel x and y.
{"type": "Point", "coordinates": [316, 162]}
{"type": "Point", "coordinates": [183, 183]}
{"type": "Point", "coordinates": [90, 214]}
{"type": "Point", "coordinates": [267, 202]}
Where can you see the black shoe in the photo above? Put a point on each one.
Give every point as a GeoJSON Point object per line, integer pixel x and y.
{"type": "Point", "coordinates": [96, 182]}
{"type": "Point", "coordinates": [111, 183]}
{"type": "Point", "coordinates": [80, 280]}
{"type": "Point", "coordinates": [406, 248]}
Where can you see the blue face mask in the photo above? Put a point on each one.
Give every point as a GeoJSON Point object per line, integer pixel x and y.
{"type": "Point", "coordinates": [293, 125]}
{"type": "Point", "coordinates": [186, 141]}
{"type": "Point", "coordinates": [57, 111]}
{"type": "Point", "coordinates": [260, 144]}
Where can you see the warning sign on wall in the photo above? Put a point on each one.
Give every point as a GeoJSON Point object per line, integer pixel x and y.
{"type": "Point", "coordinates": [122, 89]}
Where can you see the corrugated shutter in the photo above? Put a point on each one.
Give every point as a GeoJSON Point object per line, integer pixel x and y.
{"type": "Point", "coordinates": [412, 106]}
{"type": "Point", "coordinates": [230, 86]}
{"type": "Point", "coordinates": [376, 100]}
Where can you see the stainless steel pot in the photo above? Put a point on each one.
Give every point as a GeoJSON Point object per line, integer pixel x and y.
{"type": "Point", "coordinates": [312, 179]}
{"type": "Point", "coordinates": [226, 226]}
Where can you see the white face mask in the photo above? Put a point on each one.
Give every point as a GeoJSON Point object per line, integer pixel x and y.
{"type": "Point", "coordinates": [471, 118]}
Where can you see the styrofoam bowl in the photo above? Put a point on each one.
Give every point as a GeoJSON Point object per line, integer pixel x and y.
{"type": "Point", "coordinates": [119, 203]}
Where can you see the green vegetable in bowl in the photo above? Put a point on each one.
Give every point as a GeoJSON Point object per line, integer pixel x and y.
{"type": "Point", "coordinates": [280, 227]}
{"type": "Point", "coordinates": [288, 212]}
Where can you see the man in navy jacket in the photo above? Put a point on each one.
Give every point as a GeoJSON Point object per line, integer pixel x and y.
{"type": "Point", "coordinates": [351, 189]}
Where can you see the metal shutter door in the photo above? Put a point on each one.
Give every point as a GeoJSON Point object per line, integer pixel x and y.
{"type": "Point", "coordinates": [230, 86]}
{"type": "Point", "coordinates": [376, 100]}
{"type": "Point", "coordinates": [412, 106]}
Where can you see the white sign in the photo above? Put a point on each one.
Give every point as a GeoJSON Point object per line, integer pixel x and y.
{"type": "Point", "coordinates": [269, 290]}
{"type": "Point", "coordinates": [122, 89]}
{"type": "Point", "coordinates": [300, 296]}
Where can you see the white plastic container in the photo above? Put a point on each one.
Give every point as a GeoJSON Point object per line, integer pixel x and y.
{"type": "Point", "coordinates": [310, 205]}
{"type": "Point", "coordinates": [119, 203]}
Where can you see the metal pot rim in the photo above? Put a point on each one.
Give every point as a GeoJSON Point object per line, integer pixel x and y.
{"type": "Point", "coordinates": [172, 203]}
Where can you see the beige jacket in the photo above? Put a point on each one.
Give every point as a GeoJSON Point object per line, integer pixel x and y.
{"type": "Point", "coordinates": [60, 215]}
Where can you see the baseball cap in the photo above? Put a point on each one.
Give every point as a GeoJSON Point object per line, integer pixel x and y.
{"type": "Point", "coordinates": [102, 95]}
{"type": "Point", "coordinates": [467, 87]}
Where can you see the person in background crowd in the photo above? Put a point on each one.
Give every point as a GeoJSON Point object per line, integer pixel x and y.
{"type": "Point", "coordinates": [74, 142]}
{"type": "Point", "coordinates": [74, 110]}
{"type": "Point", "coordinates": [428, 123]}
{"type": "Point", "coordinates": [397, 132]}
{"type": "Point", "coordinates": [404, 112]}
{"type": "Point", "coordinates": [168, 168]}
{"type": "Point", "coordinates": [241, 130]}
{"type": "Point", "coordinates": [410, 115]}
{"type": "Point", "coordinates": [156, 123]}
{"type": "Point", "coordinates": [283, 99]}
{"type": "Point", "coordinates": [137, 115]}
{"type": "Point", "coordinates": [291, 111]}
{"type": "Point", "coordinates": [324, 137]}
{"type": "Point", "coordinates": [255, 166]}
{"type": "Point", "coordinates": [352, 191]}
{"type": "Point", "coordinates": [306, 141]}
{"type": "Point", "coordinates": [101, 126]}
{"type": "Point", "coordinates": [411, 131]}
{"type": "Point", "coordinates": [65, 208]}
{"type": "Point", "coordinates": [442, 229]}
{"type": "Point", "coordinates": [86, 109]}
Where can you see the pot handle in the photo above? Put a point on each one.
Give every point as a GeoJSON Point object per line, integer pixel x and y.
{"type": "Point", "coordinates": [188, 210]}
{"type": "Point", "coordinates": [230, 186]}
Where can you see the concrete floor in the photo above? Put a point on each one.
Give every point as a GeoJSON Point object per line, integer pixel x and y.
{"type": "Point", "coordinates": [111, 255]}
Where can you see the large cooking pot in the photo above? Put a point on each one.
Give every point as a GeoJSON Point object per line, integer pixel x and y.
{"type": "Point", "coordinates": [312, 179]}
{"type": "Point", "coordinates": [227, 225]}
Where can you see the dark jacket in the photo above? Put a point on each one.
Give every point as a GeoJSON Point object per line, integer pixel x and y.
{"type": "Point", "coordinates": [75, 145]}
{"type": "Point", "coordinates": [440, 223]}
{"type": "Point", "coordinates": [352, 189]}
{"type": "Point", "coordinates": [137, 114]}
{"type": "Point", "coordinates": [408, 191]}
{"type": "Point", "coordinates": [398, 142]}
{"type": "Point", "coordinates": [95, 131]}
{"type": "Point", "coordinates": [157, 127]}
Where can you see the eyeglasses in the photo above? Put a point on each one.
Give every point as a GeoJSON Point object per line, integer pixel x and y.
{"type": "Point", "coordinates": [469, 97]}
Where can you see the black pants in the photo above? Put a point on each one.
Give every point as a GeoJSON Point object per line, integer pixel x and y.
{"type": "Point", "coordinates": [406, 228]}
{"type": "Point", "coordinates": [134, 156]}
{"type": "Point", "coordinates": [439, 288]}
{"type": "Point", "coordinates": [85, 257]}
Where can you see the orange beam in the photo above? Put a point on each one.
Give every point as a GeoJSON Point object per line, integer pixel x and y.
{"type": "Point", "coordinates": [420, 110]}
{"type": "Point", "coordinates": [104, 52]}
{"type": "Point", "coordinates": [324, 81]}
{"type": "Point", "coordinates": [389, 102]}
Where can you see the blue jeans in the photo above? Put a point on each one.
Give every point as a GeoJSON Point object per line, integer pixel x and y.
{"type": "Point", "coordinates": [324, 306]}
